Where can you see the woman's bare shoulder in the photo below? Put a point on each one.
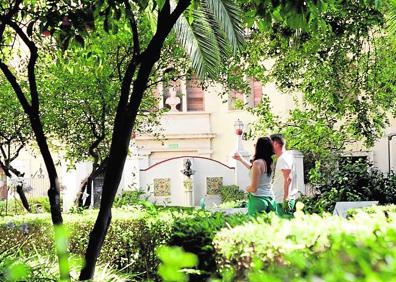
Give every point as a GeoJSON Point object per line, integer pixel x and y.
{"type": "Point", "coordinates": [258, 163]}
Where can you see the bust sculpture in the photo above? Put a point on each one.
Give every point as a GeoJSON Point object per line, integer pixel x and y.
{"type": "Point", "coordinates": [187, 171]}
{"type": "Point", "coordinates": [172, 100]}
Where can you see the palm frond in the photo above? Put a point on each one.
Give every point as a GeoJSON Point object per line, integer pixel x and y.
{"type": "Point", "coordinates": [229, 16]}
{"type": "Point", "coordinates": [200, 43]}
{"type": "Point", "coordinates": [391, 17]}
{"type": "Point", "coordinates": [225, 45]}
{"type": "Point", "coordinates": [214, 33]}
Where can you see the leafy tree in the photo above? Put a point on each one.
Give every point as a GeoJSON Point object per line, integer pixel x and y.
{"type": "Point", "coordinates": [22, 78]}
{"type": "Point", "coordinates": [80, 105]}
{"type": "Point", "coordinates": [343, 77]}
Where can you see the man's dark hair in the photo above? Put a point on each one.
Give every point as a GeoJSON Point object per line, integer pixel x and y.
{"type": "Point", "coordinates": [278, 138]}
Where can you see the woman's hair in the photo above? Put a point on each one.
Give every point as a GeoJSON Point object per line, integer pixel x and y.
{"type": "Point", "coordinates": [264, 151]}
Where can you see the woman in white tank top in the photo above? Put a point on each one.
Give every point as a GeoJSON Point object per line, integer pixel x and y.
{"type": "Point", "coordinates": [261, 197]}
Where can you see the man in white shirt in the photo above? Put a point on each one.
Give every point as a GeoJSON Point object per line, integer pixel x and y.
{"type": "Point", "coordinates": [282, 183]}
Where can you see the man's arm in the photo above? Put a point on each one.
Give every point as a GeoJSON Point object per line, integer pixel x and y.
{"type": "Point", "coordinates": [287, 179]}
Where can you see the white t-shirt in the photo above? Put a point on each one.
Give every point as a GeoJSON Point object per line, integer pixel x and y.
{"type": "Point", "coordinates": [285, 161]}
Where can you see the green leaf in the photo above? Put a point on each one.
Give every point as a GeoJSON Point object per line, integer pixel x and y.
{"type": "Point", "coordinates": [160, 3]}
{"type": "Point", "coordinates": [18, 271]}
{"type": "Point", "coordinates": [229, 17]}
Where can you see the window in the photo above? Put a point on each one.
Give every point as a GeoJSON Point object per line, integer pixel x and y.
{"type": "Point", "coordinates": [195, 96]}
{"type": "Point", "coordinates": [237, 100]}
{"type": "Point", "coordinates": [256, 92]}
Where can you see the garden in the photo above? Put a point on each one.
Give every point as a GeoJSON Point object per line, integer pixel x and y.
{"type": "Point", "coordinates": [81, 79]}
{"type": "Point", "coordinates": [148, 243]}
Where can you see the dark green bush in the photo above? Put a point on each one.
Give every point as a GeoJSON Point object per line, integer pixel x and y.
{"type": "Point", "coordinates": [350, 180]}
{"type": "Point", "coordinates": [195, 234]}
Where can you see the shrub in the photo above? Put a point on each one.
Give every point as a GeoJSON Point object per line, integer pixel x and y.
{"type": "Point", "coordinates": [128, 198]}
{"type": "Point", "coordinates": [233, 204]}
{"type": "Point", "coordinates": [195, 234]}
{"type": "Point", "coordinates": [37, 205]}
{"type": "Point", "coordinates": [351, 181]}
{"type": "Point", "coordinates": [231, 193]}
{"type": "Point", "coordinates": [132, 239]}
{"type": "Point", "coordinates": [302, 249]}
{"type": "Point", "coordinates": [130, 243]}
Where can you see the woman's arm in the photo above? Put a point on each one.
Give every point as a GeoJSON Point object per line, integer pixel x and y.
{"type": "Point", "coordinates": [256, 173]}
{"type": "Point", "coordinates": [237, 156]}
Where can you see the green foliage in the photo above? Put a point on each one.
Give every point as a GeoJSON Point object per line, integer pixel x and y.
{"type": "Point", "coordinates": [173, 262]}
{"type": "Point", "coordinates": [237, 247]}
{"type": "Point", "coordinates": [339, 78]}
{"type": "Point", "coordinates": [61, 248]}
{"type": "Point", "coordinates": [81, 89]}
{"type": "Point", "coordinates": [15, 131]}
{"type": "Point", "coordinates": [132, 239]}
{"type": "Point", "coordinates": [360, 249]}
{"type": "Point", "coordinates": [231, 193]}
{"type": "Point", "coordinates": [38, 205]}
{"type": "Point", "coordinates": [350, 180]}
{"type": "Point", "coordinates": [17, 271]}
{"type": "Point", "coordinates": [16, 266]}
{"type": "Point", "coordinates": [128, 198]}
{"type": "Point", "coordinates": [233, 204]}
{"type": "Point", "coordinates": [195, 234]}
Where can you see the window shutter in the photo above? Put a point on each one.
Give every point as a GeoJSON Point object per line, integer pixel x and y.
{"type": "Point", "coordinates": [257, 92]}
{"type": "Point", "coordinates": [195, 96]}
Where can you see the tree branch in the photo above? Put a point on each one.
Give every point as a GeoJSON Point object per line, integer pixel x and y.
{"type": "Point", "coordinates": [31, 65]}
{"type": "Point", "coordinates": [133, 24]}
{"type": "Point", "coordinates": [15, 85]}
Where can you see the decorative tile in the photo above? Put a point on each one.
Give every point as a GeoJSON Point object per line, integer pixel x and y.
{"type": "Point", "coordinates": [162, 187]}
{"type": "Point", "coordinates": [213, 185]}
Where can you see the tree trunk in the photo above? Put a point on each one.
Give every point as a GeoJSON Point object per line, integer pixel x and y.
{"type": "Point", "coordinates": [54, 189]}
{"type": "Point", "coordinates": [123, 124]}
{"type": "Point", "coordinates": [19, 188]}
{"type": "Point", "coordinates": [7, 168]}
{"type": "Point", "coordinates": [112, 179]}
{"type": "Point", "coordinates": [24, 200]}
{"type": "Point", "coordinates": [96, 171]}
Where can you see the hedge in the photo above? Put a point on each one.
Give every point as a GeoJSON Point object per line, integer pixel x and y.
{"type": "Point", "coordinates": [133, 236]}
{"type": "Point", "coordinates": [130, 243]}
{"type": "Point", "coordinates": [311, 247]}
{"type": "Point", "coordinates": [264, 249]}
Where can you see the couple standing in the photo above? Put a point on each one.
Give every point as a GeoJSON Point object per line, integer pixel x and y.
{"type": "Point", "coordinates": [272, 187]}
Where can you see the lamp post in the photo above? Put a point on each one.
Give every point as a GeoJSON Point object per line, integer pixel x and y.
{"type": "Point", "coordinates": [238, 125]}
{"type": "Point", "coordinates": [241, 173]}
{"type": "Point", "coordinates": [390, 137]}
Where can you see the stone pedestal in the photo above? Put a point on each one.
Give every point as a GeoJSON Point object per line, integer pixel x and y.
{"type": "Point", "coordinates": [188, 186]}
{"type": "Point", "coordinates": [242, 178]}
{"type": "Point", "coordinates": [298, 159]}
